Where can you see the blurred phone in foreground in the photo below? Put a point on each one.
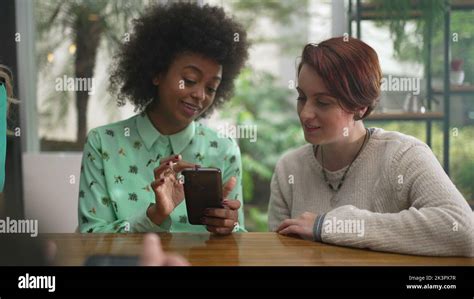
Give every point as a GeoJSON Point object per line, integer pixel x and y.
{"type": "Point", "coordinates": [112, 260]}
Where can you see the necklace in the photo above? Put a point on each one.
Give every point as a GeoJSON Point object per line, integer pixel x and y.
{"type": "Point", "coordinates": [315, 150]}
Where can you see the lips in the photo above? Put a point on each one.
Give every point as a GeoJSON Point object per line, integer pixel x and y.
{"type": "Point", "coordinates": [190, 109]}
{"type": "Point", "coordinates": [310, 128]}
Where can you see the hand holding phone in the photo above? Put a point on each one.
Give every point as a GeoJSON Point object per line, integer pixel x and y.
{"type": "Point", "coordinates": [167, 188]}
{"type": "Point", "coordinates": [202, 190]}
{"type": "Point", "coordinates": [223, 221]}
{"type": "Point", "coordinates": [206, 203]}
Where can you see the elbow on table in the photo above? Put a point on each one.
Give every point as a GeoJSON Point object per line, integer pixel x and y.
{"type": "Point", "coordinates": [466, 247]}
{"type": "Point", "coordinates": [469, 237]}
{"type": "Point", "coordinates": [84, 229]}
{"type": "Point", "coordinates": [462, 235]}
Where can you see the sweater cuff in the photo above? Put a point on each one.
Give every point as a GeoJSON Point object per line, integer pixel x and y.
{"type": "Point", "coordinates": [318, 227]}
{"type": "Point", "coordinates": [141, 223]}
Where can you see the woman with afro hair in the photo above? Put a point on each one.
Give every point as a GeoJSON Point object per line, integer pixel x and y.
{"type": "Point", "coordinates": [179, 65]}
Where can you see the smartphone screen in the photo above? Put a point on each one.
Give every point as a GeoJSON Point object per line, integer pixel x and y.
{"type": "Point", "coordinates": [202, 190]}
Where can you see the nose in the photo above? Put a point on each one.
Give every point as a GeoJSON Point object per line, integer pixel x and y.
{"type": "Point", "coordinates": [198, 93]}
{"type": "Point", "coordinates": [307, 112]}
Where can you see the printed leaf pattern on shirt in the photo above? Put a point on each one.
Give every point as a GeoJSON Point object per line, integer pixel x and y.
{"type": "Point", "coordinates": [117, 171]}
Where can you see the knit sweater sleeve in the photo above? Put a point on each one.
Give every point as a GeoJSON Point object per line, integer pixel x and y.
{"type": "Point", "coordinates": [434, 219]}
{"type": "Point", "coordinates": [278, 207]}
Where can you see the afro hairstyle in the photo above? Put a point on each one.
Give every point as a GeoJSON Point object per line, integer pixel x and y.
{"type": "Point", "coordinates": [164, 32]}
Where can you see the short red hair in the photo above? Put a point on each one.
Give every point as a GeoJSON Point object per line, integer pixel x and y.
{"type": "Point", "coordinates": [350, 71]}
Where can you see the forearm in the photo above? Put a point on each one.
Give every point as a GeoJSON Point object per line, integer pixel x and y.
{"type": "Point", "coordinates": [138, 223]}
{"type": "Point", "coordinates": [277, 207]}
{"type": "Point", "coordinates": [435, 231]}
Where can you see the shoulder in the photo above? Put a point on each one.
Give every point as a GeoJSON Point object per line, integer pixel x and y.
{"type": "Point", "coordinates": [114, 128]}
{"type": "Point", "coordinates": [294, 159]}
{"type": "Point", "coordinates": [216, 140]}
{"type": "Point", "coordinates": [112, 131]}
{"type": "Point", "coordinates": [402, 151]}
{"type": "Point", "coordinates": [394, 137]}
{"type": "Point", "coordinates": [395, 143]}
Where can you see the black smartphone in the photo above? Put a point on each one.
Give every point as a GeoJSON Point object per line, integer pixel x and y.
{"type": "Point", "coordinates": [111, 260]}
{"type": "Point", "coordinates": [202, 190]}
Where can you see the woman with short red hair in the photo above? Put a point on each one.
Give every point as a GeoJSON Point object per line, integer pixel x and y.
{"type": "Point", "coordinates": [360, 187]}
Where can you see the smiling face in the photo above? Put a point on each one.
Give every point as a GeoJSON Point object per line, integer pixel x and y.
{"type": "Point", "coordinates": [187, 89]}
{"type": "Point", "coordinates": [322, 118]}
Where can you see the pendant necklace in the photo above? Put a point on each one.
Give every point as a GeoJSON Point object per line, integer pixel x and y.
{"type": "Point", "coordinates": [336, 189]}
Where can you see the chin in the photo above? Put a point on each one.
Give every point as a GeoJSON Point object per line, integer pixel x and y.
{"type": "Point", "coordinates": [182, 120]}
{"type": "Point", "coordinates": [312, 139]}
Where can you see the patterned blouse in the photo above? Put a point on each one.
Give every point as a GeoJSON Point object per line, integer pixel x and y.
{"type": "Point", "coordinates": [117, 170]}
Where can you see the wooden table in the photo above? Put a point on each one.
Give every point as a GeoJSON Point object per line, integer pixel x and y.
{"type": "Point", "coordinates": [240, 249]}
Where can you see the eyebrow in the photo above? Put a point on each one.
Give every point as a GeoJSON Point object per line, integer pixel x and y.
{"type": "Point", "coordinates": [191, 66]}
{"type": "Point", "coordinates": [316, 94]}
{"type": "Point", "coordinates": [322, 94]}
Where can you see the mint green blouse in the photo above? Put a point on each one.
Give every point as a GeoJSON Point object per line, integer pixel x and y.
{"type": "Point", "coordinates": [117, 169]}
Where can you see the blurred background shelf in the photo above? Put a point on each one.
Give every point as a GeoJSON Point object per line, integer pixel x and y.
{"type": "Point", "coordinates": [406, 116]}
{"type": "Point", "coordinates": [456, 89]}
{"type": "Point", "coordinates": [359, 11]}
{"type": "Point", "coordinates": [370, 11]}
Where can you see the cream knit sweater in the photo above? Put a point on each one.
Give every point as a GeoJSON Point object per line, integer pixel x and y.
{"type": "Point", "coordinates": [396, 198]}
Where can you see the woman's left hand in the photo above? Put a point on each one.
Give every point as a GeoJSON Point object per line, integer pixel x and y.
{"type": "Point", "coordinates": [301, 226]}
{"type": "Point", "coordinates": [222, 221]}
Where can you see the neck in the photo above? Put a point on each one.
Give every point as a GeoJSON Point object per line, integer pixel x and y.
{"type": "Point", "coordinates": [162, 123]}
{"type": "Point", "coordinates": [341, 153]}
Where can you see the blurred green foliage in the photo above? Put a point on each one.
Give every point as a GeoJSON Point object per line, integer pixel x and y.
{"type": "Point", "coordinates": [259, 101]}
{"type": "Point", "coordinates": [282, 14]}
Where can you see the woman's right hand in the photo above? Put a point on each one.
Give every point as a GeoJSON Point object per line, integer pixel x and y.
{"type": "Point", "coordinates": [168, 189]}
{"type": "Point", "coordinates": [153, 254]}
